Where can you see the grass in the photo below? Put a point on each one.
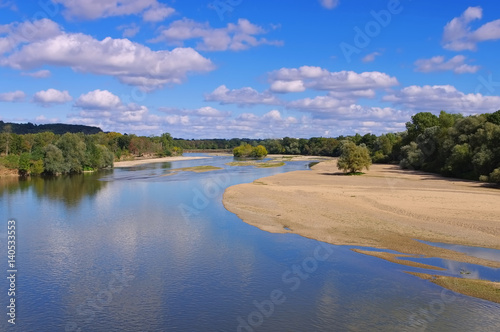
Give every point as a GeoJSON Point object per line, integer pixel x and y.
{"type": "Point", "coordinates": [197, 169]}
{"type": "Point", "coordinates": [482, 289]}
{"type": "Point", "coordinates": [259, 164]}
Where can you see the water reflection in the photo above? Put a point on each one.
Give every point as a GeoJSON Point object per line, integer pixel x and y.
{"type": "Point", "coordinates": [69, 189]}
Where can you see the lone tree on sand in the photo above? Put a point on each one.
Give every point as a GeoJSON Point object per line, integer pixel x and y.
{"type": "Point", "coordinates": [353, 158]}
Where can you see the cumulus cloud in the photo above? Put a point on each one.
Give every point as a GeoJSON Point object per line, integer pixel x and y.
{"type": "Point", "coordinates": [14, 34]}
{"type": "Point", "coordinates": [456, 64]}
{"type": "Point", "coordinates": [12, 96]}
{"type": "Point", "coordinates": [442, 97]}
{"type": "Point", "coordinates": [234, 37]}
{"type": "Point", "coordinates": [242, 97]}
{"type": "Point", "coordinates": [329, 4]}
{"type": "Point", "coordinates": [459, 36]}
{"type": "Point", "coordinates": [157, 13]}
{"type": "Point", "coordinates": [51, 96]}
{"type": "Point", "coordinates": [129, 62]}
{"type": "Point", "coordinates": [108, 111]}
{"type": "Point", "coordinates": [91, 10]}
{"type": "Point", "coordinates": [288, 86]}
{"type": "Point", "coordinates": [348, 82]}
{"type": "Point", "coordinates": [38, 74]}
{"type": "Point", "coordinates": [98, 99]}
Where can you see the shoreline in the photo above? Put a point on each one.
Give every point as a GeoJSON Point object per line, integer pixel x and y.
{"type": "Point", "coordinates": [387, 208]}
{"type": "Point", "coordinates": [136, 162]}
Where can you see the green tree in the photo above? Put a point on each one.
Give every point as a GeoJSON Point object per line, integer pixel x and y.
{"type": "Point", "coordinates": [24, 164]}
{"type": "Point", "coordinates": [353, 158]}
{"type": "Point", "coordinates": [419, 122]}
{"type": "Point", "coordinates": [73, 150]}
{"type": "Point", "coordinates": [412, 156]}
{"type": "Point", "coordinates": [53, 162]}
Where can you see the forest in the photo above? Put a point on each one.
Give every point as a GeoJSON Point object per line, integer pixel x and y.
{"type": "Point", "coordinates": [449, 144]}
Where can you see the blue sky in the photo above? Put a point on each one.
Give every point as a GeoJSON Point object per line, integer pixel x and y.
{"type": "Point", "coordinates": [241, 68]}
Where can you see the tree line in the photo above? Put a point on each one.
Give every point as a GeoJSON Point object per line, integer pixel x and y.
{"type": "Point", "coordinates": [49, 153]}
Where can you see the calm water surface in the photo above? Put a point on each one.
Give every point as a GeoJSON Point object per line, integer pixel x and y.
{"type": "Point", "coordinates": [140, 249]}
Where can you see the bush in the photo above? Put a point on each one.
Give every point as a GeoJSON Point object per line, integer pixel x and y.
{"type": "Point", "coordinates": [36, 167]}
{"type": "Point", "coordinates": [245, 150]}
{"type": "Point", "coordinates": [495, 176]}
{"type": "Point", "coordinates": [259, 151]}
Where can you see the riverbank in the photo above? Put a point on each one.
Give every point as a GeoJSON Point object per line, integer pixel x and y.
{"type": "Point", "coordinates": [136, 162]}
{"type": "Point", "coordinates": [387, 208]}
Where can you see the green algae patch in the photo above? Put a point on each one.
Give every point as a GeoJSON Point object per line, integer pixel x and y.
{"type": "Point", "coordinates": [482, 289]}
{"type": "Point", "coordinates": [259, 164]}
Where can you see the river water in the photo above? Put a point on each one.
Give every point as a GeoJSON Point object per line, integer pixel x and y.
{"type": "Point", "coordinates": [143, 249]}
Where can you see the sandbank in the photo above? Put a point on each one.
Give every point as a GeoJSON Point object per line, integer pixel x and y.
{"type": "Point", "coordinates": [131, 163]}
{"type": "Point", "coordinates": [387, 208]}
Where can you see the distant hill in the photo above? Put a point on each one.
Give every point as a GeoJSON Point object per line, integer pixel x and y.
{"type": "Point", "coordinates": [56, 128]}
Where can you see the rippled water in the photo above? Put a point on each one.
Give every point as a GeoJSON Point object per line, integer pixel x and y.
{"type": "Point", "coordinates": [135, 250]}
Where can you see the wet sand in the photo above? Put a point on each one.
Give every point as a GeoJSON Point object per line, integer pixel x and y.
{"type": "Point", "coordinates": [387, 208]}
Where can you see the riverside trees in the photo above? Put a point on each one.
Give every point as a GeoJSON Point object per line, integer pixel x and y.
{"type": "Point", "coordinates": [48, 153]}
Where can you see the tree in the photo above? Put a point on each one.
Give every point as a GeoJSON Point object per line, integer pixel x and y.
{"type": "Point", "coordinates": [24, 164]}
{"type": "Point", "coordinates": [6, 138]}
{"type": "Point", "coordinates": [412, 156]}
{"type": "Point", "coordinates": [73, 150]}
{"type": "Point", "coordinates": [353, 158]}
{"type": "Point", "coordinates": [53, 162]}
{"type": "Point", "coordinates": [419, 122]}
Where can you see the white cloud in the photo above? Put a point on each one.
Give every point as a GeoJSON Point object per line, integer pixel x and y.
{"type": "Point", "coordinates": [287, 86]}
{"type": "Point", "coordinates": [51, 96]}
{"type": "Point", "coordinates": [130, 62]}
{"type": "Point", "coordinates": [14, 34]}
{"type": "Point", "coordinates": [442, 97]}
{"type": "Point", "coordinates": [12, 96]}
{"type": "Point", "coordinates": [157, 13]}
{"type": "Point", "coordinates": [329, 4]}
{"type": "Point", "coordinates": [43, 119]}
{"type": "Point", "coordinates": [371, 57]}
{"type": "Point", "coordinates": [234, 37]}
{"type": "Point", "coordinates": [456, 64]}
{"type": "Point", "coordinates": [129, 30]}
{"type": "Point", "coordinates": [95, 9]}
{"type": "Point", "coordinates": [205, 111]}
{"type": "Point", "coordinates": [459, 36]}
{"type": "Point", "coordinates": [38, 74]}
{"type": "Point", "coordinates": [242, 97]}
{"type": "Point", "coordinates": [98, 99]}
{"type": "Point", "coordinates": [349, 84]}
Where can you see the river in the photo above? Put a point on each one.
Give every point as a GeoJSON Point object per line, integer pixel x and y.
{"type": "Point", "coordinates": [142, 249]}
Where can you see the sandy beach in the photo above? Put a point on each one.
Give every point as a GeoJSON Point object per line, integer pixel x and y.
{"type": "Point", "coordinates": [131, 163]}
{"type": "Point", "coordinates": [386, 208]}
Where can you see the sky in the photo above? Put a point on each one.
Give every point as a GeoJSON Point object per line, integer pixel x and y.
{"type": "Point", "coordinates": [248, 69]}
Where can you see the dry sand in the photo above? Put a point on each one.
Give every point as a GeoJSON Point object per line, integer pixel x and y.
{"type": "Point", "coordinates": [131, 163]}
{"type": "Point", "coordinates": [386, 208]}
